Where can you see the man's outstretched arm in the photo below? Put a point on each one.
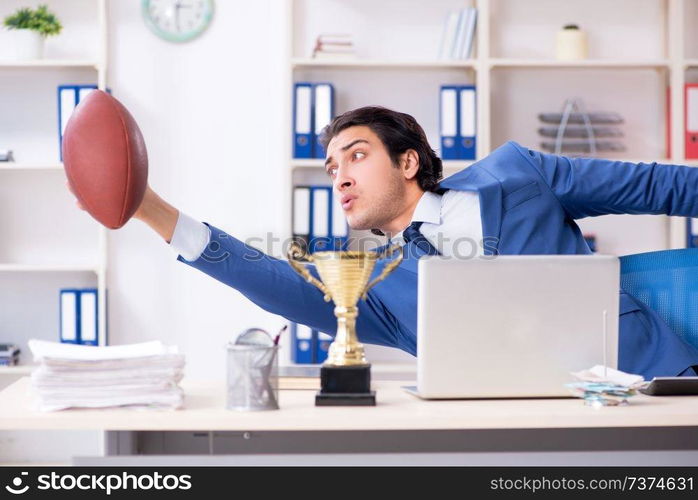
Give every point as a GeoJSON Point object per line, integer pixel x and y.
{"type": "Point", "coordinates": [158, 214]}
{"type": "Point", "coordinates": [268, 282]}
{"type": "Point", "coordinates": [588, 187]}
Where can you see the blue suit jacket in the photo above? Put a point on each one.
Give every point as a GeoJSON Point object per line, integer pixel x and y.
{"type": "Point", "coordinates": [529, 201]}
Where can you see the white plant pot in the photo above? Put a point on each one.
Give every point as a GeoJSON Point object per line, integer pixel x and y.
{"type": "Point", "coordinates": [28, 44]}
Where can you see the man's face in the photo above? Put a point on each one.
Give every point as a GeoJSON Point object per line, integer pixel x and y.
{"type": "Point", "coordinates": [370, 188]}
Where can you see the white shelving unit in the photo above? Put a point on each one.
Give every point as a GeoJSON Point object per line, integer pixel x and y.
{"type": "Point", "coordinates": [50, 63]}
{"type": "Point", "coordinates": [48, 243]}
{"type": "Point", "coordinates": [34, 263]}
{"type": "Point", "coordinates": [18, 167]}
{"type": "Point", "coordinates": [587, 63]}
{"type": "Point", "coordinates": [632, 60]}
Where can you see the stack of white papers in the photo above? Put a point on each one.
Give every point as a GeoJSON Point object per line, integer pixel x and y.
{"type": "Point", "coordinates": [78, 376]}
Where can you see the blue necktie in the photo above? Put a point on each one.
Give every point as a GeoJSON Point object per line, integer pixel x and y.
{"type": "Point", "coordinates": [412, 234]}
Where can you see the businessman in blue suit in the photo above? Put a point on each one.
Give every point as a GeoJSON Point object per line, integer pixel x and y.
{"type": "Point", "coordinates": [514, 201]}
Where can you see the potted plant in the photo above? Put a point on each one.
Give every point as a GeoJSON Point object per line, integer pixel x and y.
{"type": "Point", "coordinates": [30, 28]}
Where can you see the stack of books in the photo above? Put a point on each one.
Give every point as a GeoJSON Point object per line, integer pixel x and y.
{"type": "Point", "coordinates": [79, 376]}
{"type": "Point", "coordinates": [458, 34]}
{"type": "Point", "coordinates": [9, 355]}
{"type": "Point", "coordinates": [334, 46]}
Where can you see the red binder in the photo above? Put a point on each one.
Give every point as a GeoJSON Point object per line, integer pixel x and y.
{"type": "Point", "coordinates": [667, 138]}
{"type": "Point", "coordinates": [691, 120]}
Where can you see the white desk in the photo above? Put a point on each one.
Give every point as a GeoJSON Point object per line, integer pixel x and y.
{"type": "Point", "coordinates": [660, 429]}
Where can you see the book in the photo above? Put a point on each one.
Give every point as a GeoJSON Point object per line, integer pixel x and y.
{"type": "Point", "coordinates": [333, 44]}
{"type": "Point", "coordinates": [448, 34]}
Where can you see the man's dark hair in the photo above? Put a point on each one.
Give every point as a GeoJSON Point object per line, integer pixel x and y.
{"type": "Point", "coordinates": [398, 132]}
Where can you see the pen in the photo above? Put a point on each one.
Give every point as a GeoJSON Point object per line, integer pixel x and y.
{"type": "Point", "coordinates": [278, 335]}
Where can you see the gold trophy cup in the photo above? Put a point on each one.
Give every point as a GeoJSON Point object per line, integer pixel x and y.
{"type": "Point", "coordinates": [345, 377]}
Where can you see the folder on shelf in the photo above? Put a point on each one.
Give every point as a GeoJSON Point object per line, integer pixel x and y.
{"type": "Point", "coordinates": [78, 316]}
{"type": "Point", "coordinates": [322, 346]}
{"type": "Point", "coordinates": [339, 226]}
{"type": "Point", "coordinates": [88, 316]}
{"type": "Point", "coordinates": [458, 122]}
{"type": "Point", "coordinates": [668, 122]}
{"type": "Point", "coordinates": [470, 23]}
{"type": "Point", "coordinates": [68, 98]}
{"type": "Point", "coordinates": [320, 209]}
{"type": "Point", "coordinates": [323, 112]}
{"type": "Point", "coordinates": [303, 120]}
{"type": "Point", "coordinates": [301, 343]}
{"type": "Point", "coordinates": [459, 39]}
{"type": "Point", "coordinates": [69, 316]}
{"type": "Point", "coordinates": [691, 120]}
{"type": "Point", "coordinates": [318, 219]}
{"type": "Point", "coordinates": [448, 122]}
{"type": "Point", "coordinates": [692, 232]}
{"type": "Point", "coordinates": [468, 122]}
{"type": "Point", "coordinates": [448, 35]}
{"type": "Point", "coordinates": [301, 216]}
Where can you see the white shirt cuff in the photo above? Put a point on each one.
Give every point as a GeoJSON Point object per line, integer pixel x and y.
{"type": "Point", "coordinates": [190, 237]}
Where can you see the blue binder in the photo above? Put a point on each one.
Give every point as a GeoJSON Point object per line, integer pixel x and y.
{"type": "Point", "coordinates": [692, 232]}
{"type": "Point", "coordinates": [88, 316]}
{"type": "Point", "coordinates": [301, 216]}
{"type": "Point", "coordinates": [78, 316]}
{"type": "Point", "coordinates": [68, 98]}
{"type": "Point", "coordinates": [301, 343]}
{"type": "Point", "coordinates": [338, 225]}
{"type": "Point", "coordinates": [320, 237]}
{"type": "Point", "coordinates": [467, 122]}
{"type": "Point", "coordinates": [458, 122]}
{"type": "Point", "coordinates": [323, 112]}
{"type": "Point", "coordinates": [69, 315]}
{"type": "Point", "coordinates": [322, 346]}
{"type": "Point", "coordinates": [303, 120]}
{"type": "Point", "coordinates": [448, 122]}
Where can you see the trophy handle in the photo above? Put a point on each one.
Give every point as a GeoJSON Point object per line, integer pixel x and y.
{"type": "Point", "coordinates": [389, 267]}
{"type": "Point", "coordinates": [293, 253]}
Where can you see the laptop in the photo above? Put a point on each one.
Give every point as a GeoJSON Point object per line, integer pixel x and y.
{"type": "Point", "coordinates": [513, 326]}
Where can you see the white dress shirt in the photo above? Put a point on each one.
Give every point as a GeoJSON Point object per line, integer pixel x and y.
{"type": "Point", "coordinates": [190, 237]}
{"type": "Point", "coordinates": [451, 222]}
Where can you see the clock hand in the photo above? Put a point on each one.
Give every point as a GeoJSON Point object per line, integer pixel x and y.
{"type": "Point", "coordinates": [178, 5]}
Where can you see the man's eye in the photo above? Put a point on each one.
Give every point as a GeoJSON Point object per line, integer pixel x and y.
{"type": "Point", "coordinates": [332, 171]}
{"type": "Point", "coordinates": [358, 155]}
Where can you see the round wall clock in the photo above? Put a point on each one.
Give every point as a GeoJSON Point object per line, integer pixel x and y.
{"type": "Point", "coordinates": [177, 20]}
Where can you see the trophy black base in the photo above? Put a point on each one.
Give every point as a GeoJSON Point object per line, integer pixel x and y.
{"type": "Point", "coordinates": [345, 386]}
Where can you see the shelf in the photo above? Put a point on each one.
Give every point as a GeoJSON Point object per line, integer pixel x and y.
{"type": "Point", "coordinates": [50, 63]}
{"type": "Point", "coordinates": [320, 163]}
{"type": "Point", "coordinates": [691, 63]}
{"type": "Point", "coordinates": [16, 370]}
{"type": "Point", "coordinates": [31, 166]}
{"type": "Point", "coordinates": [587, 63]}
{"type": "Point", "coordinates": [47, 268]}
{"type": "Point", "coordinates": [456, 164]}
{"type": "Point", "coordinates": [380, 63]}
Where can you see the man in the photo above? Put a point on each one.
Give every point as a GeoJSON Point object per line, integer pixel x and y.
{"type": "Point", "coordinates": [515, 201]}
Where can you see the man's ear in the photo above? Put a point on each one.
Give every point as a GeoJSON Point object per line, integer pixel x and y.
{"type": "Point", "coordinates": [409, 163]}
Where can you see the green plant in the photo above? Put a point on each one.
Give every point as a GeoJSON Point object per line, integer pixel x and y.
{"type": "Point", "coordinates": [40, 20]}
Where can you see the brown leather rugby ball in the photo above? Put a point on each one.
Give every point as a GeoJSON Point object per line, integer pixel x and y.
{"type": "Point", "coordinates": [105, 159]}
